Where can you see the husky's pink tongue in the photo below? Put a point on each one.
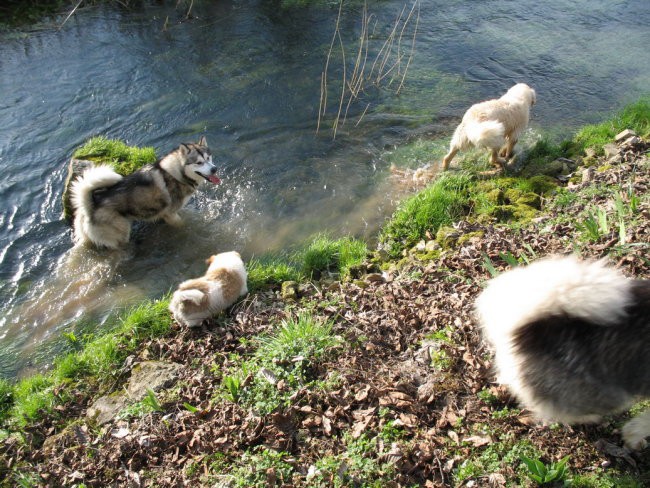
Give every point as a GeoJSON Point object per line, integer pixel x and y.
{"type": "Point", "coordinates": [214, 180]}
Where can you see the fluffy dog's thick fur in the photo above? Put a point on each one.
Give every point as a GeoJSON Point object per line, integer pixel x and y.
{"type": "Point", "coordinates": [571, 340]}
{"type": "Point", "coordinates": [201, 298]}
{"type": "Point", "coordinates": [106, 203]}
{"type": "Point", "coordinates": [494, 124]}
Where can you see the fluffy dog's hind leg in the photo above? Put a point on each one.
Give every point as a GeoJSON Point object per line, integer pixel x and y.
{"type": "Point", "coordinates": [496, 160]}
{"type": "Point", "coordinates": [508, 150]}
{"type": "Point", "coordinates": [447, 159]}
{"type": "Point", "coordinates": [636, 430]}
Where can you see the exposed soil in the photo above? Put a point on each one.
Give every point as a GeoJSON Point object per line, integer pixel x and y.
{"type": "Point", "coordinates": [385, 373]}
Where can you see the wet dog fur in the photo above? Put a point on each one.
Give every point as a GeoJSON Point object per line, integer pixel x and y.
{"type": "Point", "coordinates": [201, 298]}
{"type": "Point", "coordinates": [106, 203]}
{"type": "Point", "coordinates": [571, 340]}
{"type": "Point", "coordinates": [495, 125]}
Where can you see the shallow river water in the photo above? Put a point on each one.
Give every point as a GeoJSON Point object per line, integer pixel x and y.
{"type": "Point", "coordinates": [248, 75]}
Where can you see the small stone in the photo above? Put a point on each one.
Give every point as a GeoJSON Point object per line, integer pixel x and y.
{"type": "Point", "coordinates": [374, 278]}
{"type": "Point", "coordinates": [420, 246]}
{"type": "Point", "coordinates": [106, 408]}
{"type": "Point", "coordinates": [590, 152]}
{"type": "Point", "coordinates": [632, 141]}
{"type": "Point", "coordinates": [289, 290]}
{"type": "Point", "coordinates": [611, 150]}
{"type": "Point", "coordinates": [431, 246]}
{"type": "Point", "coordinates": [153, 375]}
{"type": "Point", "coordinates": [588, 175]}
{"type": "Point", "coordinates": [626, 134]}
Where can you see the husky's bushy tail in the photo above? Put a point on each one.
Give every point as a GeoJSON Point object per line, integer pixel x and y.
{"type": "Point", "coordinates": [588, 290]}
{"type": "Point", "coordinates": [488, 134]}
{"type": "Point", "coordinates": [81, 197]}
{"type": "Point", "coordinates": [570, 339]}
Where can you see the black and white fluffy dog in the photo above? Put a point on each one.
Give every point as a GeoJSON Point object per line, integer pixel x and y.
{"type": "Point", "coordinates": [571, 340]}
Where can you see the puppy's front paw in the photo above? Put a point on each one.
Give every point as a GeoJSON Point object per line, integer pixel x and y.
{"type": "Point", "coordinates": [635, 433]}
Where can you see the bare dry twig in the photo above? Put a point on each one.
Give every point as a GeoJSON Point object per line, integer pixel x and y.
{"type": "Point", "coordinates": [385, 70]}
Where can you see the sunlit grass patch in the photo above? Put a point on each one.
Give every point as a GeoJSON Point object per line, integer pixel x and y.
{"type": "Point", "coordinates": [33, 396]}
{"type": "Point", "coordinates": [358, 464]}
{"type": "Point", "coordinates": [324, 255]}
{"type": "Point", "coordinates": [286, 357]}
{"type": "Point", "coordinates": [272, 270]}
{"type": "Point", "coordinates": [635, 116]}
{"type": "Point", "coordinates": [99, 359]}
{"type": "Point", "coordinates": [125, 159]}
{"type": "Point", "coordinates": [446, 200]}
{"type": "Point", "coordinates": [492, 458]}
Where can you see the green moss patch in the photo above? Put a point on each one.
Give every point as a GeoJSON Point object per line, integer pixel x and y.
{"type": "Point", "coordinates": [125, 159]}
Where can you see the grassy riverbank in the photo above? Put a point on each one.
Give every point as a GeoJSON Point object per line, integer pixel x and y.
{"type": "Point", "coordinates": [349, 367]}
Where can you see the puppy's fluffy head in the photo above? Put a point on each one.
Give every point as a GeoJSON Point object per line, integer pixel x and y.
{"type": "Point", "coordinates": [227, 260]}
{"type": "Point", "coordinates": [521, 92]}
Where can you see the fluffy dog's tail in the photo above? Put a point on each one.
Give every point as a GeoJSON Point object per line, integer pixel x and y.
{"type": "Point", "coordinates": [489, 133]}
{"type": "Point", "coordinates": [81, 192]}
{"type": "Point", "coordinates": [557, 286]}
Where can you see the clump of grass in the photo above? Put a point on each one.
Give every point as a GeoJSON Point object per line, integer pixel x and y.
{"type": "Point", "coordinates": [492, 458]}
{"type": "Point", "coordinates": [424, 213]}
{"type": "Point", "coordinates": [272, 270]}
{"type": "Point", "coordinates": [254, 464]}
{"type": "Point", "coordinates": [33, 396]}
{"type": "Point", "coordinates": [358, 464]}
{"type": "Point", "coordinates": [635, 116]}
{"type": "Point", "coordinates": [325, 255]}
{"type": "Point", "coordinates": [289, 355]}
{"type": "Point", "coordinates": [543, 474]}
{"type": "Point", "coordinates": [99, 359]}
{"type": "Point", "coordinates": [125, 159]}
{"type": "Point", "coordinates": [6, 398]}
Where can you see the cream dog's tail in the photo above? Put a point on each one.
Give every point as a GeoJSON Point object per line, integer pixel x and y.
{"type": "Point", "coordinates": [489, 133]}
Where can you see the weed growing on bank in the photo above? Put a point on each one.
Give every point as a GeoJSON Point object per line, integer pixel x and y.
{"type": "Point", "coordinates": [322, 256]}
{"type": "Point", "coordinates": [283, 362]}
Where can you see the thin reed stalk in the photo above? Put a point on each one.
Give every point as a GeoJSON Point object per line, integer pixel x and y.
{"type": "Point", "coordinates": [386, 69]}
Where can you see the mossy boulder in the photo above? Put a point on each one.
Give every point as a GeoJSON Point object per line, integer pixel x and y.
{"type": "Point", "coordinates": [289, 290]}
{"type": "Point", "coordinates": [447, 237]}
{"type": "Point", "coordinates": [495, 197]}
{"type": "Point", "coordinates": [470, 237]}
{"type": "Point", "coordinates": [514, 196]}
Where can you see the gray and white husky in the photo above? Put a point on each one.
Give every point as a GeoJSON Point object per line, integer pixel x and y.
{"type": "Point", "coordinates": [105, 203]}
{"type": "Point", "coordinates": [572, 340]}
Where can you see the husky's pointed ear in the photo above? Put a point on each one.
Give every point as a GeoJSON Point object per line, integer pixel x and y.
{"type": "Point", "coordinates": [203, 142]}
{"type": "Point", "coordinates": [184, 148]}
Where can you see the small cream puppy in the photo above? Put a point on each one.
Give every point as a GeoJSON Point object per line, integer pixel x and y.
{"type": "Point", "coordinates": [201, 298]}
{"type": "Point", "coordinates": [494, 124]}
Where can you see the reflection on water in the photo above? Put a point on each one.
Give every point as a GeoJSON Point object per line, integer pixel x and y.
{"type": "Point", "coordinates": [248, 76]}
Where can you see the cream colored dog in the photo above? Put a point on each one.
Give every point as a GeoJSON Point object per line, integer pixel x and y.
{"type": "Point", "coordinates": [494, 124]}
{"type": "Point", "coordinates": [201, 298]}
